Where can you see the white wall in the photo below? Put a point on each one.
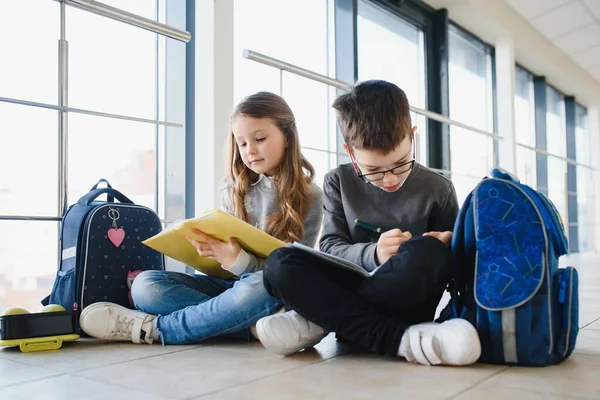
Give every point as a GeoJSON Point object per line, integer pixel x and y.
{"type": "Point", "coordinates": [214, 97]}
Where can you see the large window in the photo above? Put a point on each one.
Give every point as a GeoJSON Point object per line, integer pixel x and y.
{"type": "Point", "coordinates": [525, 127]}
{"type": "Point", "coordinates": [556, 143]}
{"type": "Point", "coordinates": [113, 68]}
{"type": "Point", "coordinates": [93, 68]}
{"type": "Point", "coordinates": [392, 49]}
{"type": "Point", "coordinates": [471, 102]}
{"type": "Point", "coordinates": [29, 59]}
{"type": "Point", "coordinates": [585, 179]}
{"type": "Point", "coordinates": [280, 29]}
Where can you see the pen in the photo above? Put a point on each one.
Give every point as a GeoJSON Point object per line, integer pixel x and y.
{"type": "Point", "coordinates": [366, 225]}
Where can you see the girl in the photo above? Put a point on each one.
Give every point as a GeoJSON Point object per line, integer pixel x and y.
{"type": "Point", "coordinates": [269, 185]}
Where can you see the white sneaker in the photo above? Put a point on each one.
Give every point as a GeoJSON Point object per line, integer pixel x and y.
{"type": "Point", "coordinates": [453, 342]}
{"type": "Point", "coordinates": [109, 321]}
{"type": "Point", "coordinates": [288, 333]}
{"type": "Point", "coordinates": [253, 327]}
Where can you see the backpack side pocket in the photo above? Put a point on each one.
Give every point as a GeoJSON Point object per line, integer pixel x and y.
{"type": "Point", "coordinates": [566, 311]}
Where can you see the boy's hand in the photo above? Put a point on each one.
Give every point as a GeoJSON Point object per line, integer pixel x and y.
{"type": "Point", "coordinates": [445, 237]}
{"type": "Point", "coordinates": [389, 242]}
{"type": "Point", "coordinates": [224, 253]}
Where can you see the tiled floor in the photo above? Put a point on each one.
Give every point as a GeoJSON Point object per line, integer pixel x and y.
{"type": "Point", "coordinates": [230, 370]}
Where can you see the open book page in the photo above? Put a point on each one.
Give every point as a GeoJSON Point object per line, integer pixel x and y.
{"type": "Point", "coordinates": [216, 223]}
{"type": "Point", "coordinates": [334, 259]}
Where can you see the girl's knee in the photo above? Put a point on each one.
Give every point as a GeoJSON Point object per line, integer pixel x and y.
{"type": "Point", "coordinates": [251, 290]}
{"type": "Point", "coordinates": [145, 279]}
{"type": "Point", "coordinates": [145, 288]}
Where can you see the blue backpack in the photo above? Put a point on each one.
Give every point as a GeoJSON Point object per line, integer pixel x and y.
{"type": "Point", "coordinates": [102, 250]}
{"type": "Point", "coordinates": [505, 278]}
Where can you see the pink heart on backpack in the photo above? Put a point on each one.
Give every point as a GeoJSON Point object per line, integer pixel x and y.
{"type": "Point", "coordinates": [116, 236]}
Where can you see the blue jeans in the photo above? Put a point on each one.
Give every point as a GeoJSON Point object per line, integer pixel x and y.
{"type": "Point", "coordinates": [192, 308]}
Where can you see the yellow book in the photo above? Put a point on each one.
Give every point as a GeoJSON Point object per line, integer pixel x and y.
{"type": "Point", "coordinates": [220, 225]}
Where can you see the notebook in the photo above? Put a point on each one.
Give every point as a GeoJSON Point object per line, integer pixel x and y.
{"type": "Point", "coordinates": [334, 260]}
{"type": "Point", "coordinates": [220, 225]}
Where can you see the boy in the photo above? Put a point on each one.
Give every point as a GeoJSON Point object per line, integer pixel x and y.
{"type": "Point", "coordinates": [382, 190]}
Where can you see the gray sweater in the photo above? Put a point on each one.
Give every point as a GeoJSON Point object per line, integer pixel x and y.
{"type": "Point", "coordinates": [426, 202]}
{"type": "Point", "coordinates": [262, 200]}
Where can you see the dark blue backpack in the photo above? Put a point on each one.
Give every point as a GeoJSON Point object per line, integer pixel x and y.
{"type": "Point", "coordinates": [505, 276]}
{"type": "Point", "coordinates": [101, 250]}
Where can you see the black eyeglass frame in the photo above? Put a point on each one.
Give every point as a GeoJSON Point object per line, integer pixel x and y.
{"type": "Point", "coordinates": [365, 177]}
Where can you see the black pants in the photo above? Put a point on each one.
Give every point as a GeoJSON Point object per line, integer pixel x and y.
{"type": "Point", "coordinates": [370, 312]}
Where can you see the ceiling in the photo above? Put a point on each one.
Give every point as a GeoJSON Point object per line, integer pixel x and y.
{"type": "Point", "coordinates": [571, 25]}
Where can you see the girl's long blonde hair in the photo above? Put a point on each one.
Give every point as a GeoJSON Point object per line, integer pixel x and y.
{"type": "Point", "coordinates": [294, 173]}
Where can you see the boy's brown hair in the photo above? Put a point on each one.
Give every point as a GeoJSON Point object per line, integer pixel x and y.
{"type": "Point", "coordinates": [374, 115]}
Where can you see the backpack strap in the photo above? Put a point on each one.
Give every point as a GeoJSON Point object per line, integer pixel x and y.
{"type": "Point", "coordinates": [457, 285]}
{"type": "Point", "coordinates": [109, 198]}
{"type": "Point", "coordinates": [552, 220]}
{"type": "Point", "coordinates": [91, 196]}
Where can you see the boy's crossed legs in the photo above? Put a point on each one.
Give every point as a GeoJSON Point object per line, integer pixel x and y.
{"type": "Point", "coordinates": [384, 313]}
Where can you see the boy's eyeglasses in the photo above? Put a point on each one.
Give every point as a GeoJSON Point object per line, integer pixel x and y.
{"type": "Point", "coordinates": [377, 176]}
{"type": "Point", "coordinates": [401, 169]}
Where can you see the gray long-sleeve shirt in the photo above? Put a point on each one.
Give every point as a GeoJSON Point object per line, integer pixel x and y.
{"type": "Point", "coordinates": [426, 202]}
{"type": "Point", "coordinates": [262, 199]}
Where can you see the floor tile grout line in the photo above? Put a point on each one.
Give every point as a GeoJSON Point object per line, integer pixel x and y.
{"type": "Point", "coordinates": [596, 320]}
{"type": "Point", "coordinates": [118, 385]}
{"type": "Point", "coordinates": [50, 369]}
{"type": "Point", "coordinates": [106, 365]}
{"type": "Point", "coordinates": [479, 383]}
{"type": "Point", "coordinates": [585, 352]}
{"type": "Point", "coordinates": [538, 392]}
{"type": "Point", "coordinates": [2, 387]}
{"type": "Point", "coordinates": [141, 358]}
{"type": "Point", "coordinates": [60, 373]}
{"type": "Point", "coordinates": [265, 377]}
{"type": "Point", "coordinates": [22, 362]}
{"type": "Point", "coordinates": [503, 370]}
{"type": "Point", "coordinates": [178, 351]}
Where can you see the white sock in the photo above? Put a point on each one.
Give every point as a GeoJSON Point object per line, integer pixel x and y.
{"type": "Point", "coordinates": [154, 334]}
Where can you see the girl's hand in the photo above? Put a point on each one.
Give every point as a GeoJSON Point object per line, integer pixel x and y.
{"type": "Point", "coordinates": [444, 237]}
{"type": "Point", "coordinates": [224, 253]}
{"type": "Point", "coordinates": [389, 242]}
